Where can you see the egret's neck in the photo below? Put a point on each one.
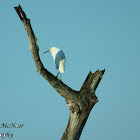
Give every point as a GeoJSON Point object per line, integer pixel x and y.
{"type": "Point", "coordinates": [54, 52]}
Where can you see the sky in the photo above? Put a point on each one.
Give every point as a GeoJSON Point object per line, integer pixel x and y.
{"type": "Point", "coordinates": [93, 34]}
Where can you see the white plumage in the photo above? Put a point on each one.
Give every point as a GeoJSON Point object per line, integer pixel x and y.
{"type": "Point", "coordinates": [59, 59]}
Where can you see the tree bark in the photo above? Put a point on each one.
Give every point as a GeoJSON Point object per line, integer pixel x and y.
{"type": "Point", "coordinates": [80, 102]}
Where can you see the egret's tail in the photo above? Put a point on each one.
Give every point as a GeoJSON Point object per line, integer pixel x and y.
{"type": "Point", "coordinates": [62, 66]}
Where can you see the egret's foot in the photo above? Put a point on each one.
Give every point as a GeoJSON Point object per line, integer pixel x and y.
{"type": "Point", "coordinates": [58, 78]}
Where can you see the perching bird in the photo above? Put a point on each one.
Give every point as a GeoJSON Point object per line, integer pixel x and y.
{"type": "Point", "coordinates": [59, 59]}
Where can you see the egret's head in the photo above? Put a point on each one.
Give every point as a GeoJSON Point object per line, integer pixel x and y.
{"type": "Point", "coordinates": [53, 50]}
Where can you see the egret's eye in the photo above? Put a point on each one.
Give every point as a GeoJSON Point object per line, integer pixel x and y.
{"type": "Point", "coordinates": [50, 49]}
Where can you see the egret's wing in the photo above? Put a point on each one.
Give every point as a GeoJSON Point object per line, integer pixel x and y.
{"type": "Point", "coordinates": [59, 56]}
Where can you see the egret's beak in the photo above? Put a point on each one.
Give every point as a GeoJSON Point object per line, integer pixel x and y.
{"type": "Point", "coordinates": [46, 51]}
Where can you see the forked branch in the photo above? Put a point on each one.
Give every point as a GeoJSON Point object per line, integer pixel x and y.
{"type": "Point", "coordinates": [80, 102]}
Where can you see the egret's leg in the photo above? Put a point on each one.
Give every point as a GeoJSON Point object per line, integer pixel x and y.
{"type": "Point", "coordinates": [57, 74]}
{"type": "Point", "coordinates": [60, 76]}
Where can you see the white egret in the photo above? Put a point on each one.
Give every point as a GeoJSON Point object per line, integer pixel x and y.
{"type": "Point", "coordinates": [59, 59]}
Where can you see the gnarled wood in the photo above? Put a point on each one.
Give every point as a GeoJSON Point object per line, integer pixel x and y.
{"type": "Point", "coordinates": [80, 102]}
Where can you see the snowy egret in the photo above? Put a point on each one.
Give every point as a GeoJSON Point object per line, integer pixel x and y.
{"type": "Point", "coordinates": [59, 59]}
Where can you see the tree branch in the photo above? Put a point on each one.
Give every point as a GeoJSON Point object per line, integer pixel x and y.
{"type": "Point", "coordinates": [80, 102]}
{"type": "Point", "coordinates": [60, 87]}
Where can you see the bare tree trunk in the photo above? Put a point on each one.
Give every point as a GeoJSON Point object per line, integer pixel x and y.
{"type": "Point", "coordinates": [80, 102]}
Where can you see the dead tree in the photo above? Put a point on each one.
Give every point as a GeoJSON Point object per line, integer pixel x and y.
{"type": "Point", "coordinates": [80, 102]}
